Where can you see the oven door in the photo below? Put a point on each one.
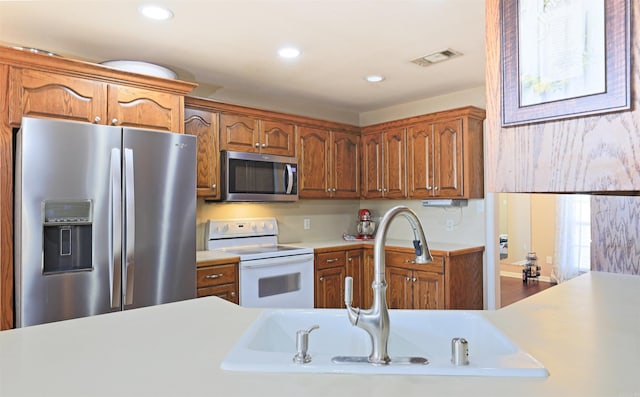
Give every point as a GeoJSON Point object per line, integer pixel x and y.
{"type": "Point", "coordinates": [283, 282]}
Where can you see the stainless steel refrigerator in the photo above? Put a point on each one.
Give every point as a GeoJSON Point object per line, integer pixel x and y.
{"type": "Point", "coordinates": [104, 219]}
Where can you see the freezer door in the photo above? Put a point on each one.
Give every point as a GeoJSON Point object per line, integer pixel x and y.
{"type": "Point", "coordinates": [160, 217]}
{"type": "Point", "coordinates": [66, 257]}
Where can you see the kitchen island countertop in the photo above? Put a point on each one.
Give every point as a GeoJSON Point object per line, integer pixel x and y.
{"type": "Point", "coordinates": [586, 332]}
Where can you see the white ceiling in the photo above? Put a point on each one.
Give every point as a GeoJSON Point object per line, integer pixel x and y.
{"type": "Point", "coordinates": [232, 44]}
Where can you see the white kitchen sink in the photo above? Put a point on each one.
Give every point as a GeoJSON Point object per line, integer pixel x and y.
{"type": "Point", "coordinates": [269, 344]}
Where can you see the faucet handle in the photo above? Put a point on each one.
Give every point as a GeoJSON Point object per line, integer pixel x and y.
{"type": "Point", "coordinates": [348, 291]}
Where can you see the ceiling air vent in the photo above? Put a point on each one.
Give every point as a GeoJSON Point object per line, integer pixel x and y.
{"type": "Point", "coordinates": [436, 57]}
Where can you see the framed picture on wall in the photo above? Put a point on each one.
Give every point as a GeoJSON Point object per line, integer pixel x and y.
{"type": "Point", "coordinates": [564, 58]}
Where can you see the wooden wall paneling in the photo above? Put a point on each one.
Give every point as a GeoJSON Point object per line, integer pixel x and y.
{"type": "Point", "coordinates": [615, 234]}
{"type": "Point", "coordinates": [6, 204]}
{"type": "Point", "coordinates": [596, 153]}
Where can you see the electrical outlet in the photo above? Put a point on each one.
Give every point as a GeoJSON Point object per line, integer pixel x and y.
{"type": "Point", "coordinates": [449, 225]}
{"type": "Point", "coordinates": [549, 260]}
{"type": "Point", "coordinates": [307, 223]}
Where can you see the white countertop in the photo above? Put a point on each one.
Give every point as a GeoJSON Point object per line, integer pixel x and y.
{"type": "Point", "coordinates": [586, 332]}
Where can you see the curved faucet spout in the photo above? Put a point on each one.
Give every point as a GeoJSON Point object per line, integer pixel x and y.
{"type": "Point", "coordinates": [376, 319]}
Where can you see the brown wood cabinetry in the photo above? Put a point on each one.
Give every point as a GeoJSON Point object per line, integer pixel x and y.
{"type": "Point", "coordinates": [218, 278]}
{"type": "Point", "coordinates": [444, 156]}
{"type": "Point", "coordinates": [246, 133]}
{"type": "Point", "coordinates": [204, 125]}
{"type": "Point", "coordinates": [37, 85]}
{"type": "Point", "coordinates": [384, 164]}
{"type": "Point", "coordinates": [453, 280]}
{"type": "Point", "coordinates": [331, 268]}
{"type": "Point", "coordinates": [55, 95]}
{"type": "Point", "coordinates": [328, 163]}
{"type": "Point", "coordinates": [412, 286]}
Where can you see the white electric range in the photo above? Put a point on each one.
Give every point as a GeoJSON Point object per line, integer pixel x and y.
{"type": "Point", "coordinates": [271, 274]}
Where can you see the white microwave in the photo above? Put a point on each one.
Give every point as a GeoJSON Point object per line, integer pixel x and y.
{"type": "Point", "coordinates": [258, 177]}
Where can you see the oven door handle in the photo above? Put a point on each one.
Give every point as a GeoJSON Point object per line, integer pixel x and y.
{"type": "Point", "coordinates": [279, 261]}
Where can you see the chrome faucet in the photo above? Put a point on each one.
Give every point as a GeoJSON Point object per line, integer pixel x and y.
{"type": "Point", "coordinates": [375, 320]}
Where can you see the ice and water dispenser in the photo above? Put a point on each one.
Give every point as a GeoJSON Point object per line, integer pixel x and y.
{"type": "Point", "coordinates": [67, 236]}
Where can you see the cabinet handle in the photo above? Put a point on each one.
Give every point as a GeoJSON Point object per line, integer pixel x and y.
{"type": "Point", "coordinates": [214, 186]}
{"type": "Point", "coordinates": [407, 279]}
{"type": "Point", "coordinates": [435, 188]}
{"type": "Point", "coordinates": [328, 189]}
{"type": "Point", "coordinates": [332, 260]}
{"type": "Point", "coordinates": [409, 261]}
{"type": "Point", "coordinates": [264, 145]}
{"type": "Point", "coordinates": [429, 187]}
{"type": "Point", "coordinates": [333, 190]}
{"type": "Point", "coordinates": [321, 278]}
{"type": "Point", "coordinates": [114, 121]}
{"type": "Point", "coordinates": [350, 259]}
{"type": "Point", "coordinates": [233, 293]}
{"type": "Point", "coordinates": [379, 190]}
{"type": "Point", "coordinates": [414, 279]}
{"type": "Point", "coordinates": [213, 276]}
{"type": "Point", "coordinates": [97, 119]}
{"type": "Point", "coordinates": [257, 144]}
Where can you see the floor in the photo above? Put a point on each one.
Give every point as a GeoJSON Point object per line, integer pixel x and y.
{"type": "Point", "coordinates": [513, 289]}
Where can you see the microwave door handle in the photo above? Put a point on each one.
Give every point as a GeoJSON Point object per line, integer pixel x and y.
{"type": "Point", "coordinates": [289, 178]}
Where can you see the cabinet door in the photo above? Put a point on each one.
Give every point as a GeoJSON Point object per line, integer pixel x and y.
{"type": "Point", "coordinates": [448, 158]}
{"type": "Point", "coordinates": [204, 125]}
{"type": "Point", "coordinates": [399, 288]}
{"type": "Point", "coordinates": [355, 270]}
{"type": "Point", "coordinates": [239, 133]}
{"type": "Point", "coordinates": [395, 170]}
{"type": "Point", "coordinates": [43, 94]}
{"type": "Point", "coordinates": [428, 290]}
{"type": "Point", "coordinates": [330, 287]}
{"type": "Point", "coordinates": [345, 165]}
{"type": "Point", "coordinates": [277, 138]}
{"type": "Point", "coordinates": [137, 107]}
{"type": "Point", "coordinates": [372, 166]}
{"type": "Point", "coordinates": [420, 160]}
{"type": "Point", "coordinates": [313, 162]}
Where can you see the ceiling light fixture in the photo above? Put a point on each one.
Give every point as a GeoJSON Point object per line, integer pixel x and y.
{"type": "Point", "coordinates": [155, 12]}
{"type": "Point", "coordinates": [374, 78]}
{"type": "Point", "coordinates": [289, 52]}
{"type": "Point", "coordinates": [436, 57]}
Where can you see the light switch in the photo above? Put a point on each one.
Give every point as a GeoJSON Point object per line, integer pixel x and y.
{"type": "Point", "coordinates": [307, 223]}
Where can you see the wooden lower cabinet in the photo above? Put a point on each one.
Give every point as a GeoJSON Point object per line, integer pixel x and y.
{"type": "Point", "coordinates": [453, 280]}
{"type": "Point", "coordinates": [218, 279]}
{"type": "Point", "coordinates": [331, 268]}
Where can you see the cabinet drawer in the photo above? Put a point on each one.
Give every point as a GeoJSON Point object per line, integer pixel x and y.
{"type": "Point", "coordinates": [216, 275]}
{"type": "Point", "coordinates": [330, 259]}
{"type": "Point", "coordinates": [407, 261]}
{"type": "Point", "coordinates": [226, 291]}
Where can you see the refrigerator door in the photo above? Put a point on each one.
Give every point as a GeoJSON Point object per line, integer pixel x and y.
{"type": "Point", "coordinates": [67, 256]}
{"type": "Point", "coordinates": [160, 217]}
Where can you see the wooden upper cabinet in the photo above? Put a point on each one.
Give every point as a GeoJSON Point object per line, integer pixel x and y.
{"type": "Point", "coordinates": [448, 159]}
{"type": "Point", "coordinates": [138, 107]}
{"type": "Point", "coordinates": [372, 165]}
{"type": "Point", "coordinates": [314, 163]}
{"type": "Point", "coordinates": [204, 125]}
{"type": "Point", "coordinates": [384, 164]}
{"type": "Point", "coordinates": [445, 159]}
{"type": "Point", "coordinates": [328, 163]}
{"type": "Point", "coordinates": [239, 133]}
{"type": "Point", "coordinates": [249, 134]}
{"type": "Point", "coordinates": [277, 137]}
{"type": "Point", "coordinates": [43, 94]}
{"type": "Point", "coordinates": [46, 94]}
{"type": "Point", "coordinates": [345, 165]}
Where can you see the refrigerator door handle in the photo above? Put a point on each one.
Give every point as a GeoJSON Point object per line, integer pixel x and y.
{"type": "Point", "coordinates": [115, 229]}
{"type": "Point", "coordinates": [129, 202]}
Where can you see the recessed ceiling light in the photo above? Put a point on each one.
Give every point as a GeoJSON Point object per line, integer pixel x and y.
{"type": "Point", "coordinates": [374, 78]}
{"type": "Point", "coordinates": [436, 57]}
{"type": "Point", "coordinates": [289, 52]}
{"type": "Point", "coordinates": [156, 12]}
